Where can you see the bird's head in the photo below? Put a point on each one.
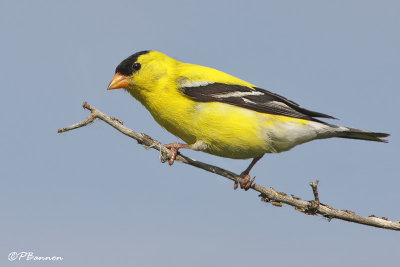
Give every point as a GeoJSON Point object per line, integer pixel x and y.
{"type": "Point", "coordinates": [141, 71]}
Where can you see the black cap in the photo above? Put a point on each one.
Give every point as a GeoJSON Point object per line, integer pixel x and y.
{"type": "Point", "coordinates": [126, 66]}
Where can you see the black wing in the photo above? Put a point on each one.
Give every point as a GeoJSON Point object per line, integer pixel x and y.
{"type": "Point", "coordinates": [251, 98]}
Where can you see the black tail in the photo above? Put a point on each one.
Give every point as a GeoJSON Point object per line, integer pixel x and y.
{"type": "Point", "coordinates": [363, 135]}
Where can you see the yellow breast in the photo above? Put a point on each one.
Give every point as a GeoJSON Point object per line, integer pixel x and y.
{"type": "Point", "coordinates": [228, 131]}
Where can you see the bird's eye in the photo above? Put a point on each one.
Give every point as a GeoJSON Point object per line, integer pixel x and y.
{"type": "Point", "coordinates": [136, 66]}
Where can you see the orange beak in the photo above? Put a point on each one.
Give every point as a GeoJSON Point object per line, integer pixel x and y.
{"type": "Point", "coordinates": [119, 81]}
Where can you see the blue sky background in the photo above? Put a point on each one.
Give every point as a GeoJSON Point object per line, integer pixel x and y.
{"type": "Point", "coordinates": [96, 198]}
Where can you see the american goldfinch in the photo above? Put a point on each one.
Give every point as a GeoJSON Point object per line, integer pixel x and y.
{"type": "Point", "coordinates": [220, 114]}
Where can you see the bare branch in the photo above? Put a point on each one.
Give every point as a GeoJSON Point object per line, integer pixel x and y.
{"type": "Point", "coordinates": [269, 195]}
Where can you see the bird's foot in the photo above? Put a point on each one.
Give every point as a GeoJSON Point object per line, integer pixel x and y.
{"type": "Point", "coordinates": [246, 184]}
{"type": "Point", "coordinates": [174, 147]}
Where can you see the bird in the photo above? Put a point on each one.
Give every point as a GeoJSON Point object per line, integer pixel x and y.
{"type": "Point", "coordinates": [217, 113]}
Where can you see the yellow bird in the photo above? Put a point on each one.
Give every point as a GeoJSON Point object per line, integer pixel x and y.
{"type": "Point", "coordinates": [220, 114]}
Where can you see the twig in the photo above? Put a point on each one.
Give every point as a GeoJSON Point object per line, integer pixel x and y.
{"type": "Point", "coordinates": [314, 204]}
{"type": "Point", "coordinates": [269, 195]}
{"type": "Point", "coordinates": [314, 187]}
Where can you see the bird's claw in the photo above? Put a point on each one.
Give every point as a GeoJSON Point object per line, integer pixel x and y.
{"type": "Point", "coordinates": [246, 184]}
{"type": "Point", "coordinates": [174, 147]}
